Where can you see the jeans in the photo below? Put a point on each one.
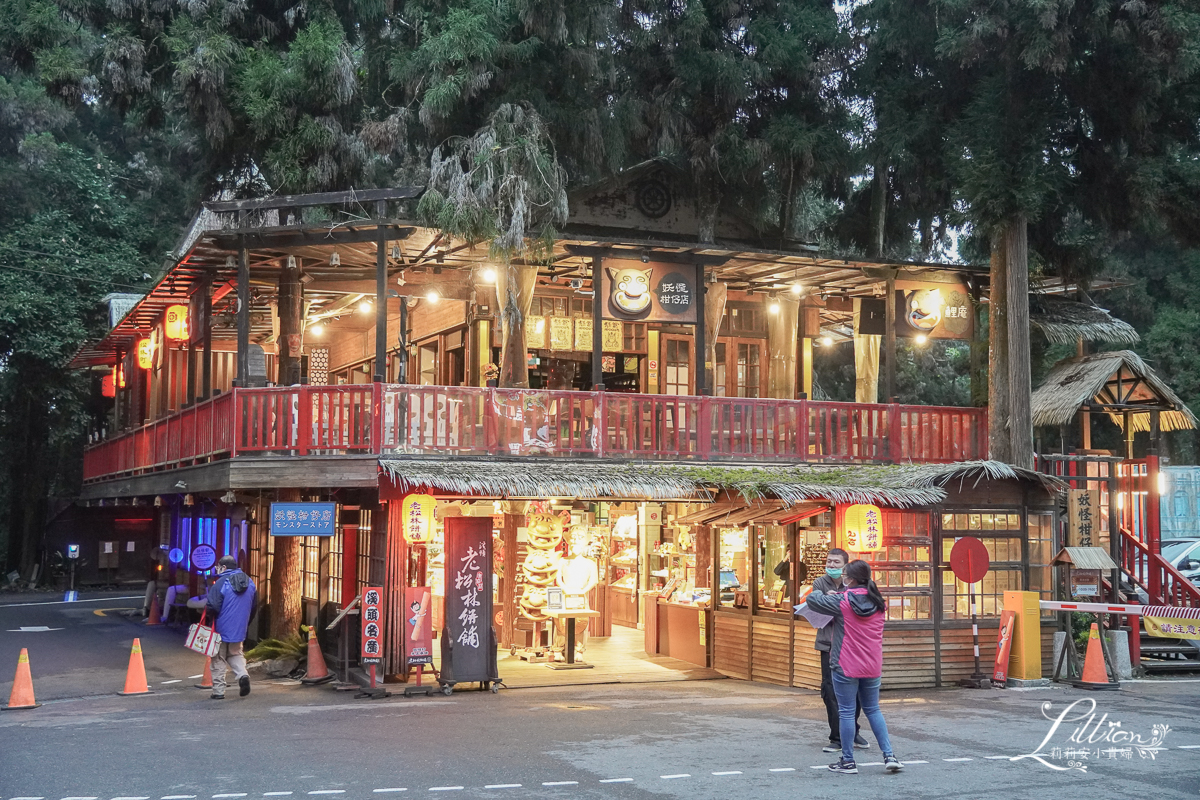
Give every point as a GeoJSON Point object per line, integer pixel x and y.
{"type": "Point", "coordinates": [229, 656]}
{"type": "Point", "coordinates": [831, 702]}
{"type": "Point", "coordinates": [866, 690]}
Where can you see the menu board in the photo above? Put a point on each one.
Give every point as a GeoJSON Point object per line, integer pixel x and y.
{"type": "Point", "coordinates": [468, 624]}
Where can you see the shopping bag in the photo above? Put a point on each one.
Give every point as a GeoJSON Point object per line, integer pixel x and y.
{"type": "Point", "coordinates": [202, 638]}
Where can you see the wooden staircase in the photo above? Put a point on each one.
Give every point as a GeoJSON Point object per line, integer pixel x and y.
{"type": "Point", "coordinates": [1165, 586]}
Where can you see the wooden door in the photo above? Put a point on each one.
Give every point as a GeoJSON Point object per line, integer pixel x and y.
{"type": "Point", "coordinates": [679, 366]}
{"type": "Point", "coordinates": [741, 368]}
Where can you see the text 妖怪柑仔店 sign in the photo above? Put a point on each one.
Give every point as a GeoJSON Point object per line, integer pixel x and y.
{"type": "Point", "coordinates": [656, 292]}
{"type": "Point", "coordinates": [1083, 517]}
{"type": "Point", "coordinates": [372, 626]}
{"type": "Point", "coordinates": [302, 519]}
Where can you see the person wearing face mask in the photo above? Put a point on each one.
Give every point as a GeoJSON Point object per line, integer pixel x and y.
{"type": "Point", "coordinates": [856, 659]}
{"type": "Point", "coordinates": [831, 581]}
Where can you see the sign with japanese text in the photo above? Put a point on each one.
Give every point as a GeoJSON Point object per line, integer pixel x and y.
{"type": "Point", "coordinates": [535, 332]}
{"type": "Point", "coordinates": [1085, 583]}
{"type": "Point", "coordinates": [636, 291]}
{"type": "Point", "coordinates": [303, 519]}
{"type": "Point", "coordinates": [1083, 517]}
{"type": "Point", "coordinates": [203, 557]}
{"type": "Point", "coordinates": [469, 596]}
{"type": "Point", "coordinates": [935, 310]}
{"type": "Point", "coordinates": [864, 528]}
{"type": "Point", "coordinates": [418, 626]}
{"type": "Point", "coordinates": [417, 511]}
{"type": "Point", "coordinates": [372, 626]}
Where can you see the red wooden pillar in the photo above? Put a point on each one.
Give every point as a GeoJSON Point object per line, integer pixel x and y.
{"type": "Point", "coordinates": [1152, 525]}
{"type": "Point", "coordinates": [350, 527]}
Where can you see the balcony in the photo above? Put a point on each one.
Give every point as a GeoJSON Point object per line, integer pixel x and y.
{"type": "Point", "coordinates": [377, 419]}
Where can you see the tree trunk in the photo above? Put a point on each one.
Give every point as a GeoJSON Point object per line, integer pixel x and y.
{"type": "Point", "coordinates": [285, 579]}
{"type": "Point", "coordinates": [514, 291]}
{"type": "Point", "coordinates": [291, 301]}
{"type": "Point", "coordinates": [1020, 416]}
{"type": "Point", "coordinates": [878, 209]}
{"type": "Point", "coordinates": [889, 339]}
{"type": "Point", "coordinates": [708, 201]}
{"type": "Point", "coordinates": [979, 353]}
{"type": "Point", "coordinates": [999, 401]}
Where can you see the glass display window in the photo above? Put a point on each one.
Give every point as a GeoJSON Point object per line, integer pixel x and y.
{"type": "Point", "coordinates": [734, 567]}
{"type": "Point", "coordinates": [902, 568]}
{"type": "Point", "coordinates": [774, 568]}
{"type": "Point", "coordinates": [1003, 534]}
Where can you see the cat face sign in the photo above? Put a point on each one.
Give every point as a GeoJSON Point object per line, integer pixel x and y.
{"type": "Point", "coordinates": [631, 289]}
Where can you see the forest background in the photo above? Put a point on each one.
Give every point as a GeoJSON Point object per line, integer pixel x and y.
{"type": "Point", "coordinates": [905, 129]}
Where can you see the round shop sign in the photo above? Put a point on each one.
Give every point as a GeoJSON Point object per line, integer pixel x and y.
{"type": "Point", "coordinates": [203, 557]}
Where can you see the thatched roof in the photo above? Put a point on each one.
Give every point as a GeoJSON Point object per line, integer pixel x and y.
{"type": "Point", "coordinates": [1117, 380]}
{"type": "Point", "coordinates": [897, 486]}
{"type": "Point", "coordinates": [1085, 558]}
{"type": "Point", "coordinates": [1066, 321]}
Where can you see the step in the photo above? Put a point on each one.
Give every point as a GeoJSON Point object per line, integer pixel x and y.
{"type": "Point", "coordinates": [1171, 665]}
{"type": "Point", "coordinates": [1166, 649]}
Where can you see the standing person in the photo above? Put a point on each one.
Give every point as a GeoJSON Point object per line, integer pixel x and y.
{"type": "Point", "coordinates": [831, 581]}
{"type": "Point", "coordinates": [856, 658]}
{"type": "Point", "coordinates": [232, 600]}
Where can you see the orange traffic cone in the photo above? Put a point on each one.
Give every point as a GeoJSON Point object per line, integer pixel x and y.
{"type": "Point", "coordinates": [22, 691]}
{"type": "Point", "coordinates": [1095, 676]}
{"type": "Point", "coordinates": [135, 677]}
{"type": "Point", "coordinates": [206, 681]}
{"type": "Point", "coordinates": [317, 672]}
{"type": "Point", "coordinates": [155, 617]}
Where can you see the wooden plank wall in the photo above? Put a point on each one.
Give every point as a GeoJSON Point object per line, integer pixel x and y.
{"type": "Point", "coordinates": [771, 660]}
{"type": "Point", "coordinates": [908, 658]}
{"type": "Point", "coordinates": [731, 645]}
{"type": "Point", "coordinates": [958, 652]}
{"type": "Point", "coordinates": [806, 660]}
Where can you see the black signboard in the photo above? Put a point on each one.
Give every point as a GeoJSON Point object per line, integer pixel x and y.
{"type": "Point", "coordinates": [468, 629]}
{"type": "Point", "coordinates": [656, 292]}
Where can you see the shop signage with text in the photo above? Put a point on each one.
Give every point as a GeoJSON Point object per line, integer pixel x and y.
{"type": "Point", "coordinates": [636, 291]}
{"type": "Point", "coordinates": [302, 519]}
{"type": "Point", "coordinates": [372, 626]}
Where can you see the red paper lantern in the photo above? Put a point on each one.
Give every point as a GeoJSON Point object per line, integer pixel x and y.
{"type": "Point", "coordinates": [145, 353]}
{"type": "Point", "coordinates": [175, 323]}
{"type": "Point", "coordinates": [107, 386]}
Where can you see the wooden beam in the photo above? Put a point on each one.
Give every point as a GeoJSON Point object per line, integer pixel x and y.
{"type": "Point", "coordinates": [634, 253]}
{"type": "Point", "coordinates": [316, 199]}
{"type": "Point", "coordinates": [280, 240]}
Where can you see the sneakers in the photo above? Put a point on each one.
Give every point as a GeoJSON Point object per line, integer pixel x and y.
{"type": "Point", "coordinates": [244, 687]}
{"type": "Point", "coordinates": [861, 743]}
{"type": "Point", "coordinates": [216, 697]}
{"type": "Point", "coordinates": [832, 747]}
{"type": "Point", "coordinates": [845, 767]}
{"type": "Point", "coordinates": [892, 764]}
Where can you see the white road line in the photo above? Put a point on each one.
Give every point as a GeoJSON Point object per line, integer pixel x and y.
{"type": "Point", "coordinates": [79, 798]}
{"type": "Point", "coordinates": [560, 783]}
{"type": "Point", "coordinates": [179, 797]}
{"type": "Point", "coordinates": [445, 788]}
{"type": "Point", "coordinates": [28, 798]}
{"type": "Point", "coordinates": [617, 780]}
{"type": "Point", "coordinates": [998, 758]}
{"type": "Point", "coordinates": [71, 602]}
{"type": "Point", "coordinates": [674, 777]}
{"type": "Point", "coordinates": [392, 789]}
{"type": "Point", "coordinates": [177, 680]}
{"type": "Point", "coordinates": [730, 772]}
{"type": "Point", "coordinates": [1180, 746]}
{"type": "Point", "coordinates": [230, 794]}
{"type": "Point", "coordinates": [782, 769]}
{"type": "Point", "coordinates": [193, 677]}
{"type": "Point", "coordinates": [503, 786]}
{"type": "Point", "coordinates": [819, 766]}
{"type": "Point", "coordinates": [32, 629]}
{"type": "Point", "coordinates": [131, 798]}
{"type": "Point", "coordinates": [328, 791]}
{"type": "Point", "coordinates": [955, 759]}
{"type": "Point", "coordinates": [871, 764]}
{"type": "Point", "coordinates": [906, 763]}
{"type": "Point", "coordinates": [276, 794]}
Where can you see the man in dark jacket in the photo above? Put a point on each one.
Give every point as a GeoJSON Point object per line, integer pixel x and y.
{"type": "Point", "coordinates": [831, 581]}
{"type": "Point", "coordinates": [232, 600]}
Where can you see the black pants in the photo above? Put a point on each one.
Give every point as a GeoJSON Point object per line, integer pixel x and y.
{"type": "Point", "coordinates": [831, 704]}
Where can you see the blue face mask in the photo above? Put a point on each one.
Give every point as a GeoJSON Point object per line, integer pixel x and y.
{"type": "Point", "coordinates": [834, 573]}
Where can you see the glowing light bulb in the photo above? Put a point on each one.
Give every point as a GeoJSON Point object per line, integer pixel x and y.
{"type": "Point", "coordinates": [797, 288]}
{"type": "Point", "coordinates": [827, 341]}
{"type": "Point", "coordinates": [365, 306]}
{"type": "Point", "coordinates": [774, 307]}
{"type": "Point", "coordinates": [432, 296]}
{"type": "Point", "coordinates": [488, 274]}
{"type": "Point", "coordinates": [318, 330]}
{"type": "Point", "coordinates": [922, 338]}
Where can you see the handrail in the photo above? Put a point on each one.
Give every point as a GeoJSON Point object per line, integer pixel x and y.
{"type": "Point", "coordinates": [1137, 561]}
{"type": "Point", "coordinates": [402, 418]}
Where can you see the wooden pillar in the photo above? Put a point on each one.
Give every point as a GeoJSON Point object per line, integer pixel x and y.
{"type": "Point", "coordinates": [291, 306]}
{"type": "Point", "coordinates": [703, 385]}
{"type": "Point", "coordinates": [508, 583]}
{"type": "Point", "coordinates": [351, 520]}
{"type": "Point", "coordinates": [806, 357]}
{"type": "Point", "coordinates": [783, 326]}
{"type": "Point", "coordinates": [515, 284]}
{"type": "Point", "coordinates": [598, 325]}
{"type": "Point", "coordinates": [889, 340]}
{"type": "Point", "coordinates": [396, 581]}
{"type": "Point", "coordinates": [381, 298]}
{"type": "Point", "coordinates": [206, 364]}
{"type": "Point", "coordinates": [243, 315]}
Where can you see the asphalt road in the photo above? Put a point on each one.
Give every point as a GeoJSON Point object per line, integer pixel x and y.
{"type": "Point", "coordinates": [712, 739]}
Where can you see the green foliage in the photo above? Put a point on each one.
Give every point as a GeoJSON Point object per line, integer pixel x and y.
{"type": "Point", "coordinates": [267, 649]}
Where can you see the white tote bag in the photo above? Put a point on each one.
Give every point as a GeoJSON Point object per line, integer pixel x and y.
{"type": "Point", "coordinates": [202, 638]}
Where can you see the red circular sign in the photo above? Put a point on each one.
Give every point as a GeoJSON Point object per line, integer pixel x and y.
{"type": "Point", "coordinates": [969, 559]}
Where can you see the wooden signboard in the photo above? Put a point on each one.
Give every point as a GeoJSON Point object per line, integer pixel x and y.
{"type": "Point", "coordinates": [1085, 583]}
{"type": "Point", "coordinates": [583, 334]}
{"type": "Point", "coordinates": [613, 337]}
{"type": "Point", "coordinates": [1083, 517]}
{"type": "Point", "coordinates": [562, 333]}
{"type": "Point", "coordinates": [633, 290]}
{"type": "Point", "coordinates": [535, 332]}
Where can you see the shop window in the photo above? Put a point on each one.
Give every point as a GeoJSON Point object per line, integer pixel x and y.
{"type": "Point", "coordinates": [903, 569]}
{"type": "Point", "coordinates": [1004, 537]}
{"type": "Point", "coordinates": [774, 549]}
{"type": "Point", "coordinates": [310, 564]}
{"type": "Point", "coordinates": [749, 358]}
{"type": "Point", "coordinates": [735, 567]}
{"type": "Point", "coordinates": [1041, 553]}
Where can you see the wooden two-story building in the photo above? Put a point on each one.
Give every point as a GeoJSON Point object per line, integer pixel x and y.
{"type": "Point", "coordinates": [651, 393]}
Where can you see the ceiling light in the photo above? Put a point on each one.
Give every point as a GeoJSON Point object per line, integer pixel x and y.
{"type": "Point", "coordinates": [318, 330]}
{"type": "Point", "coordinates": [774, 307]}
{"type": "Point", "coordinates": [431, 296]}
{"type": "Point", "coordinates": [365, 306]}
{"type": "Point", "coordinates": [488, 274]}
{"type": "Point", "coordinates": [827, 341]}
{"type": "Point", "coordinates": [922, 338]}
{"type": "Point", "coordinates": [797, 288]}
{"type": "Point", "coordinates": [335, 260]}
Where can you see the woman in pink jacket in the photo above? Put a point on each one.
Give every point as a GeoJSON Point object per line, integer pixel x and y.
{"type": "Point", "coordinates": [856, 659]}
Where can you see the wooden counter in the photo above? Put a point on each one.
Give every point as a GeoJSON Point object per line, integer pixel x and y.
{"type": "Point", "coordinates": [678, 632]}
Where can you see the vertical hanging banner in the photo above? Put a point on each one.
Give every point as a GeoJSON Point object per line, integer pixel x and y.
{"type": "Point", "coordinates": [418, 627]}
{"type": "Point", "coordinates": [469, 596]}
{"type": "Point", "coordinates": [1083, 517]}
{"type": "Point", "coordinates": [372, 626]}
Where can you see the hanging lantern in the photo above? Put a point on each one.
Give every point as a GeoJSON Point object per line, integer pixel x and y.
{"type": "Point", "coordinates": [176, 323]}
{"type": "Point", "coordinates": [417, 510]}
{"type": "Point", "coordinates": [108, 386]}
{"type": "Point", "coordinates": [864, 528]}
{"type": "Point", "coordinates": [118, 376]}
{"type": "Point", "coordinates": [145, 353]}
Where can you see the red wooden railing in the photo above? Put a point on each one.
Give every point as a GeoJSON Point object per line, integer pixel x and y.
{"type": "Point", "coordinates": [1150, 570]}
{"type": "Point", "coordinates": [388, 418]}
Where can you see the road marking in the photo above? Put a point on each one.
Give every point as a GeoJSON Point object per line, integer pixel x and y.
{"type": "Point", "coordinates": [730, 772]}
{"type": "Point", "coordinates": [276, 794]}
{"type": "Point", "coordinates": [617, 780]}
{"type": "Point", "coordinates": [79, 798]}
{"type": "Point", "coordinates": [1189, 746]}
{"type": "Point", "coordinates": [179, 797]}
{"type": "Point", "coordinates": [952, 759]}
{"type": "Point", "coordinates": [328, 791]}
{"type": "Point", "coordinates": [871, 764]}
{"type": "Point", "coordinates": [560, 783]}
{"type": "Point", "coordinates": [73, 602]}
{"type": "Point", "coordinates": [131, 798]}
{"type": "Point", "coordinates": [393, 789]}
{"type": "Point", "coordinates": [28, 798]}
{"type": "Point", "coordinates": [998, 758]}
{"type": "Point", "coordinates": [906, 763]}
{"type": "Point", "coordinates": [164, 683]}
{"type": "Point", "coordinates": [673, 777]}
{"type": "Point", "coordinates": [231, 794]}
{"type": "Point", "coordinates": [445, 788]}
{"type": "Point", "coordinates": [503, 786]}
{"type": "Point", "coordinates": [819, 766]}
{"type": "Point", "coordinates": [32, 628]}
{"type": "Point", "coordinates": [782, 769]}
{"type": "Point", "coordinates": [193, 677]}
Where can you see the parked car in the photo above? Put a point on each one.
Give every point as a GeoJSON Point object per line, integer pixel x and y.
{"type": "Point", "coordinates": [1184, 555]}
